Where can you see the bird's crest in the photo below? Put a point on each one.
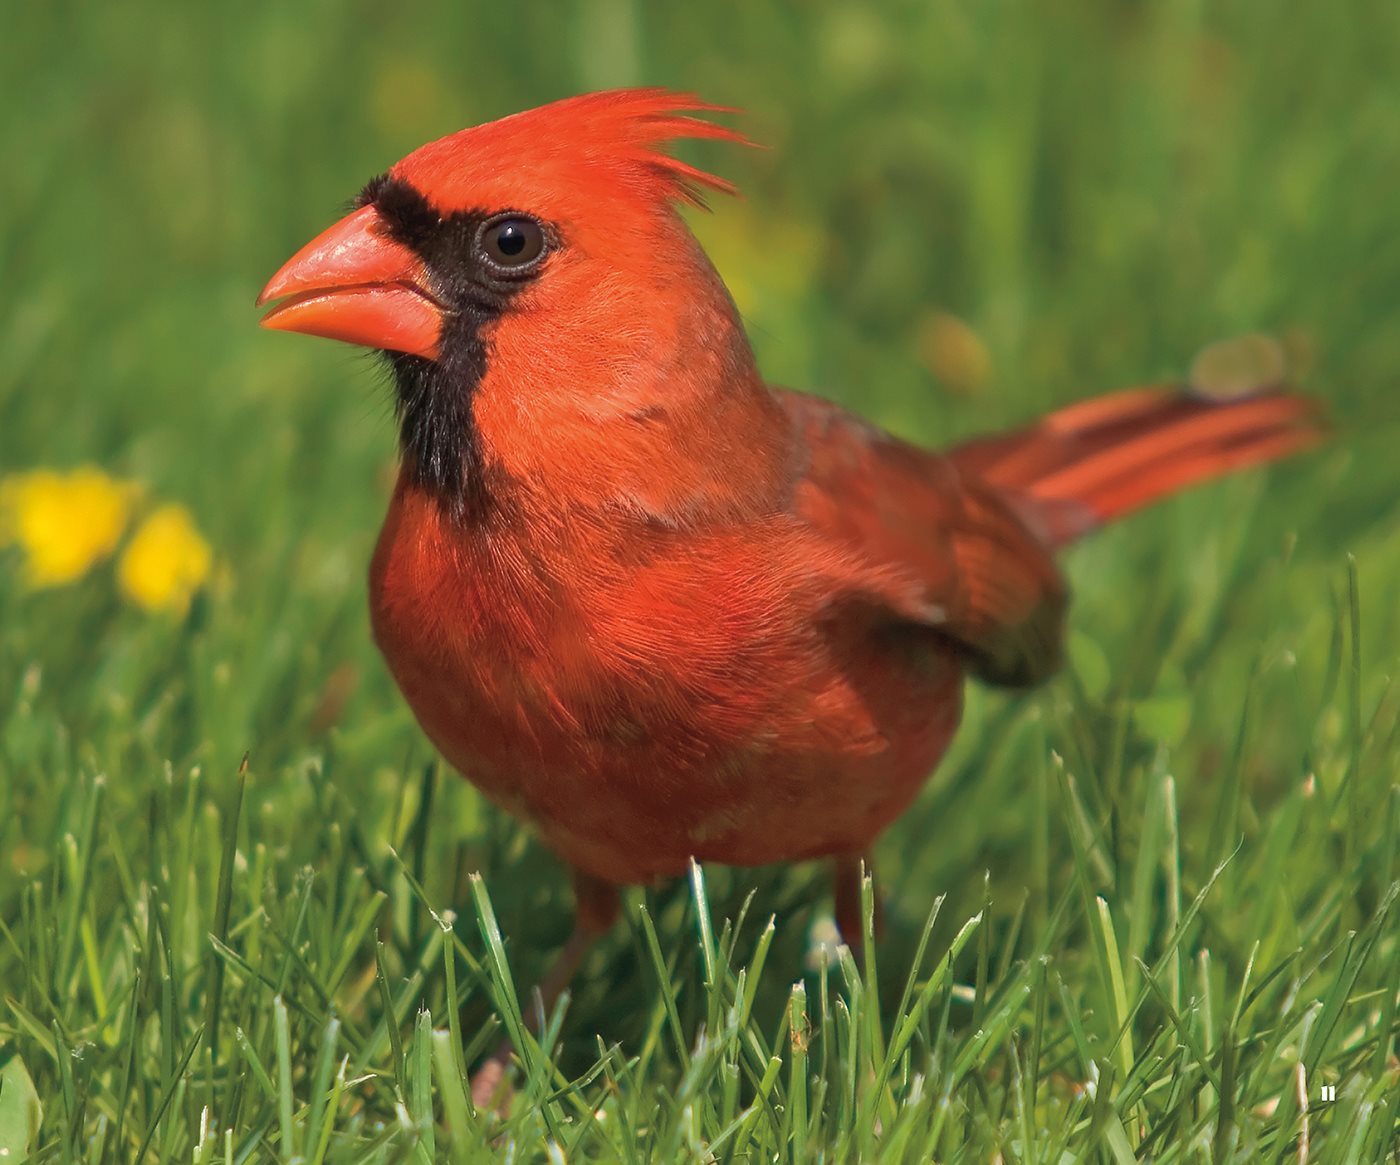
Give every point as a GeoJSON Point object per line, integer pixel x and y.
{"type": "Point", "coordinates": [624, 131]}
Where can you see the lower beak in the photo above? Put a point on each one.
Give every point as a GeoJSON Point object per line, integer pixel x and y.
{"type": "Point", "coordinates": [355, 283]}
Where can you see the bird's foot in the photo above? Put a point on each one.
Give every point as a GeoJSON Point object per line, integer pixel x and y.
{"type": "Point", "coordinates": [491, 1091]}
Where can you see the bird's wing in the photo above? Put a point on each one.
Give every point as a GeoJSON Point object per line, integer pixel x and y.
{"type": "Point", "coordinates": [946, 550]}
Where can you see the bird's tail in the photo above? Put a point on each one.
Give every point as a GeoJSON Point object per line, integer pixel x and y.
{"type": "Point", "coordinates": [1102, 458]}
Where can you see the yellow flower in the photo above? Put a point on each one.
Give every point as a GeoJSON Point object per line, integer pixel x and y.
{"type": "Point", "coordinates": [63, 522]}
{"type": "Point", "coordinates": [165, 562]}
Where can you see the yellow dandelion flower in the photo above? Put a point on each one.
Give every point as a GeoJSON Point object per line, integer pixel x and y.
{"type": "Point", "coordinates": [63, 523]}
{"type": "Point", "coordinates": [165, 562]}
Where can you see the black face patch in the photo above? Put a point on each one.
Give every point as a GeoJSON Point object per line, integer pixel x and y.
{"type": "Point", "coordinates": [437, 432]}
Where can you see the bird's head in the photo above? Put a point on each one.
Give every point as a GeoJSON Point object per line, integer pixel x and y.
{"type": "Point", "coordinates": [539, 256]}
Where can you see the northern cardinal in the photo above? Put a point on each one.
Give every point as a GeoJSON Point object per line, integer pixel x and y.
{"type": "Point", "coordinates": [653, 605]}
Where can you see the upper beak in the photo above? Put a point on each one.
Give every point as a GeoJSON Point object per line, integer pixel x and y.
{"type": "Point", "coordinates": [355, 283]}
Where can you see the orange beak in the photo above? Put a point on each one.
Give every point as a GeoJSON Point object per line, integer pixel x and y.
{"type": "Point", "coordinates": [355, 283]}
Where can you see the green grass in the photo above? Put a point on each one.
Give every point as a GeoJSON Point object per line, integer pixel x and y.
{"type": "Point", "coordinates": [1145, 913]}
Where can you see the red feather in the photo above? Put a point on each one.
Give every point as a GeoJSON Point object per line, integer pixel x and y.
{"type": "Point", "coordinates": [696, 616]}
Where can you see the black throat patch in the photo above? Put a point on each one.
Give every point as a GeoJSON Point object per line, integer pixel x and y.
{"type": "Point", "coordinates": [438, 437]}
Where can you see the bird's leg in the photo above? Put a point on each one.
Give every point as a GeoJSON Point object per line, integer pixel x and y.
{"type": "Point", "coordinates": [847, 871]}
{"type": "Point", "coordinates": [596, 906]}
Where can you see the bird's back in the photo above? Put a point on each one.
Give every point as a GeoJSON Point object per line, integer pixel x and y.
{"type": "Point", "coordinates": [976, 558]}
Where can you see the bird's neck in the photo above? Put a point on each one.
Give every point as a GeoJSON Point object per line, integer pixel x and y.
{"type": "Point", "coordinates": [666, 419]}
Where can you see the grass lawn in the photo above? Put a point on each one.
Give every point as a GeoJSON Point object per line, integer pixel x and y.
{"type": "Point", "coordinates": [1145, 913]}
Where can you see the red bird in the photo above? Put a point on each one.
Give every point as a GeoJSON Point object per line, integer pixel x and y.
{"type": "Point", "coordinates": [642, 599]}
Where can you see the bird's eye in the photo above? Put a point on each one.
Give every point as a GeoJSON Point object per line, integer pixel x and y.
{"type": "Point", "coordinates": [512, 243]}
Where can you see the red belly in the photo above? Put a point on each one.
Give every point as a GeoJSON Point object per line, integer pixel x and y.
{"type": "Point", "coordinates": [626, 774]}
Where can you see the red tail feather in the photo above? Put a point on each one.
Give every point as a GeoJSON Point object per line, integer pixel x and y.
{"type": "Point", "coordinates": [1098, 460]}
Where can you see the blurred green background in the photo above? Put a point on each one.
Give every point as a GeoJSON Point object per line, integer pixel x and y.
{"type": "Point", "coordinates": [966, 214]}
